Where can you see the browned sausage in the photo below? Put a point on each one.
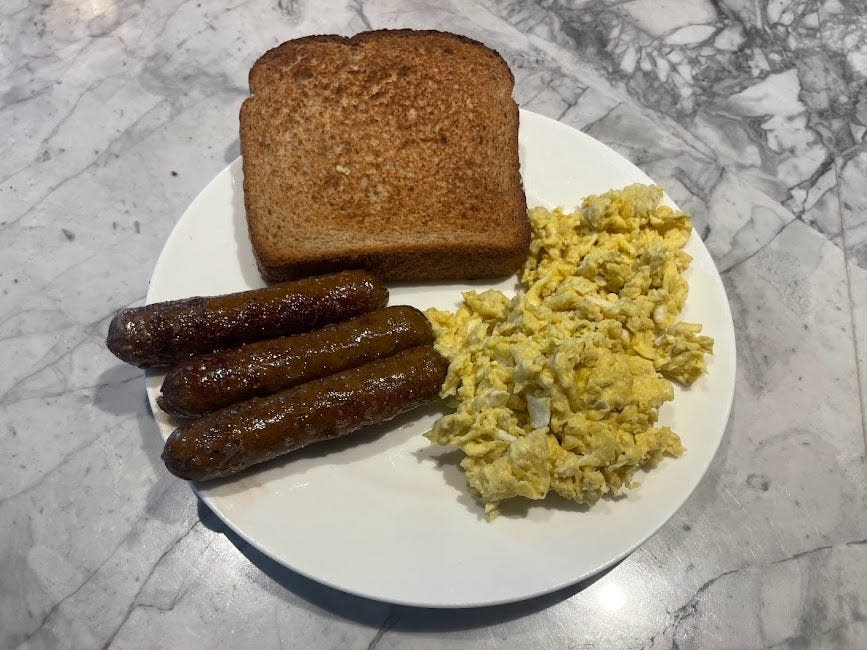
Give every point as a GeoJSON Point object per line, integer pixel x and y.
{"type": "Point", "coordinates": [162, 333]}
{"type": "Point", "coordinates": [229, 440]}
{"type": "Point", "coordinates": [211, 381]}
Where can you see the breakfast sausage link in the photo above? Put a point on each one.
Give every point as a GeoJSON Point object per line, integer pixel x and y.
{"type": "Point", "coordinates": [211, 381]}
{"type": "Point", "coordinates": [162, 333]}
{"type": "Point", "coordinates": [229, 440]}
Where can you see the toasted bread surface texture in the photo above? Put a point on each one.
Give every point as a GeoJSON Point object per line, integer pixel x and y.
{"type": "Point", "coordinates": [394, 151]}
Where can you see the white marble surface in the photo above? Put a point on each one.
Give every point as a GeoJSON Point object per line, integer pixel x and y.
{"type": "Point", "coordinates": [114, 114]}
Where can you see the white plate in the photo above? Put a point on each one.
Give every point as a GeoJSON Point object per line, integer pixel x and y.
{"type": "Point", "coordinates": [376, 514]}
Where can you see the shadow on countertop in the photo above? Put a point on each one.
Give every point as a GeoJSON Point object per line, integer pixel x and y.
{"type": "Point", "coordinates": [385, 616]}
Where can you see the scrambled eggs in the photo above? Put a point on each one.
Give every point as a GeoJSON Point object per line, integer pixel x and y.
{"type": "Point", "coordinates": [559, 388]}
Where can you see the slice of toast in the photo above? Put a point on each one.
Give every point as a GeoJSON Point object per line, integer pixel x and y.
{"type": "Point", "coordinates": [394, 151]}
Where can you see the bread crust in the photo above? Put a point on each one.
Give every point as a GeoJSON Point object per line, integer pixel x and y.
{"type": "Point", "coordinates": [470, 220]}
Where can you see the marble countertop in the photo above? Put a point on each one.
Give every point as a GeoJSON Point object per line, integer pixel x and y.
{"type": "Point", "coordinates": [751, 114]}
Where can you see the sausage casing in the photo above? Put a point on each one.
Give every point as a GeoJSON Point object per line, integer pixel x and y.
{"type": "Point", "coordinates": [229, 440]}
{"type": "Point", "coordinates": [207, 382]}
{"type": "Point", "coordinates": [162, 333]}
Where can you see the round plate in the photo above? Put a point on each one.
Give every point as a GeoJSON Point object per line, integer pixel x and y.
{"type": "Point", "coordinates": [384, 514]}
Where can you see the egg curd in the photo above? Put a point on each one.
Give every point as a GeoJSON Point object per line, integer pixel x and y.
{"type": "Point", "coordinates": [559, 388]}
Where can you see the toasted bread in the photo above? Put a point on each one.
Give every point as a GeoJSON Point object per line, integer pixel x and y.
{"type": "Point", "coordinates": [395, 151]}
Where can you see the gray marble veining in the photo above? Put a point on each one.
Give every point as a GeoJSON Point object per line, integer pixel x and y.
{"type": "Point", "coordinates": [751, 114]}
